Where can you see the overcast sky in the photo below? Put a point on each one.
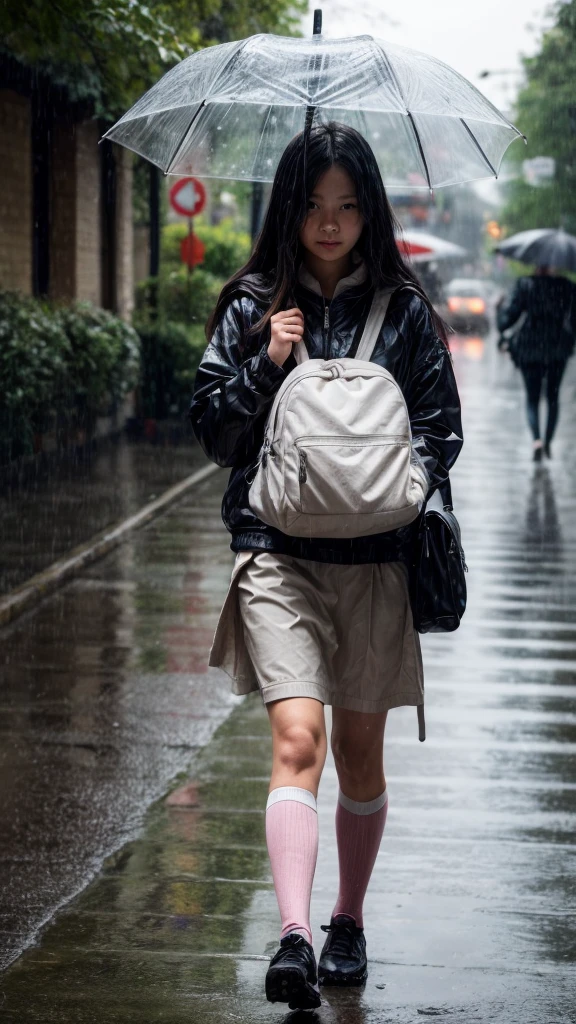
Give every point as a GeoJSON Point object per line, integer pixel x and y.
{"type": "Point", "coordinates": [470, 35]}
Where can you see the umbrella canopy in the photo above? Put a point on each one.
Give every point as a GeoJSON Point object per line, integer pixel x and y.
{"type": "Point", "coordinates": [421, 247]}
{"type": "Point", "coordinates": [542, 247]}
{"type": "Point", "coordinates": [229, 111]}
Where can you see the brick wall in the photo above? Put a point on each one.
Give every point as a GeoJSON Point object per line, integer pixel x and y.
{"type": "Point", "coordinates": [63, 212]}
{"type": "Point", "coordinates": [16, 192]}
{"type": "Point", "coordinates": [88, 213]}
{"type": "Point", "coordinates": [76, 228]}
{"type": "Point", "coordinates": [75, 210]}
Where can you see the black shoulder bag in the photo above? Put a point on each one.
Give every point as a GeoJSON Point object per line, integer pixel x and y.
{"type": "Point", "coordinates": [437, 576]}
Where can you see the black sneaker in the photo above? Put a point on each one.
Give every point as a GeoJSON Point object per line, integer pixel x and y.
{"type": "Point", "coordinates": [292, 977]}
{"type": "Point", "coordinates": [343, 959]}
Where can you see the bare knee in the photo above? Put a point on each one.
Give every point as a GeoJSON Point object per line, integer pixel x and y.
{"type": "Point", "coordinates": [356, 764]}
{"type": "Point", "coordinates": [299, 748]}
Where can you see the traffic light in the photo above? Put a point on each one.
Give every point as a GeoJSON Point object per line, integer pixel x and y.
{"type": "Point", "coordinates": [493, 229]}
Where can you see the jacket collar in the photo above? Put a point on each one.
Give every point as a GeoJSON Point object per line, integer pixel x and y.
{"type": "Point", "coordinates": [358, 276]}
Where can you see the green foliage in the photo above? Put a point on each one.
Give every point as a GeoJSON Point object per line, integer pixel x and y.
{"type": "Point", "coordinates": [34, 356]}
{"type": "Point", "coordinates": [58, 366]}
{"type": "Point", "coordinates": [546, 113]}
{"type": "Point", "coordinates": [187, 298]}
{"type": "Point", "coordinates": [111, 51]}
{"type": "Point", "coordinates": [105, 354]}
{"type": "Point", "coordinates": [171, 354]}
{"type": "Point", "coordinates": [226, 249]}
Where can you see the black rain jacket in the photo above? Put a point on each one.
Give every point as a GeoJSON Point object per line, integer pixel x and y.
{"type": "Point", "coordinates": [237, 381]}
{"type": "Point", "coordinates": [547, 306]}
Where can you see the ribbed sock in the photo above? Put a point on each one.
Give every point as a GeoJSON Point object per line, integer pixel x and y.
{"type": "Point", "coordinates": [292, 838]}
{"type": "Point", "coordinates": [359, 828]}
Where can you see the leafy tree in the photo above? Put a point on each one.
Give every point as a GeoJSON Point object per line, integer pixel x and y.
{"type": "Point", "coordinates": [110, 51]}
{"type": "Point", "coordinates": [546, 113]}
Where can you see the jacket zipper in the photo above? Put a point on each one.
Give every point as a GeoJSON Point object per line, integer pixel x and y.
{"type": "Point", "coordinates": [326, 344]}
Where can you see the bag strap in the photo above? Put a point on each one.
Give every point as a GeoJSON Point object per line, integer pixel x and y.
{"type": "Point", "coordinates": [372, 328]}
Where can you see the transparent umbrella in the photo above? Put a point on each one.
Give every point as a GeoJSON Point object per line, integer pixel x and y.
{"type": "Point", "coordinates": [229, 111]}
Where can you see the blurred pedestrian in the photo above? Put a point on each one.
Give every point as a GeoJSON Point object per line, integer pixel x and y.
{"type": "Point", "coordinates": [540, 316]}
{"type": "Point", "coordinates": [313, 621]}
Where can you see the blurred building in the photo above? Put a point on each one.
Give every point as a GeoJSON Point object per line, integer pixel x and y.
{"type": "Point", "coordinates": [66, 201]}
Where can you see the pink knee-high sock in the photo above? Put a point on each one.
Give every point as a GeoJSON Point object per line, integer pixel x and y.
{"type": "Point", "coordinates": [292, 838]}
{"type": "Point", "coordinates": [359, 828]}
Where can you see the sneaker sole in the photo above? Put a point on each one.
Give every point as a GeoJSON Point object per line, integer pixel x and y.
{"type": "Point", "coordinates": [336, 978]}
{"type": "Point", "coordinates": [289, 985]}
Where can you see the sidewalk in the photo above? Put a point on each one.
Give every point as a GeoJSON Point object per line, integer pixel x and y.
{"type": "Point", "coordinates": [470, 913]}
{"type": "Point", "coordinates": [69, 499]}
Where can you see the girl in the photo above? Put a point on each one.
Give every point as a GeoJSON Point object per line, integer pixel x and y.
{"type": "Point", "coordinates": [313, 622]}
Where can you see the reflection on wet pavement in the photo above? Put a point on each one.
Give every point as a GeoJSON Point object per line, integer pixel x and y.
{"type": "Point", "coordinates": [471, 912]}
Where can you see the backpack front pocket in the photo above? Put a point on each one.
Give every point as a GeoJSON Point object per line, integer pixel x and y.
{"type": "Point", "coordinates": [362, 475]}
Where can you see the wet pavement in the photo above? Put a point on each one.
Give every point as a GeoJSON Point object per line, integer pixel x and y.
{"type": "Point", "coordinates": [471, 910]}
{"type": "Point", "coordinates": [62, 501]}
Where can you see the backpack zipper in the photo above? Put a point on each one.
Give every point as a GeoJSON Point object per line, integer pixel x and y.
{"type": "Point", "coordinates": [302, 473]}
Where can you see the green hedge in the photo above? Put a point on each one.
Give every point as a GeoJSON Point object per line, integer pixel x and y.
{"type": "Point", "coordinates": [59, 368]}
{"type": "Point", "coordinates": [181, 297]}
{"type": "Point", "coordinates": [171, 354]}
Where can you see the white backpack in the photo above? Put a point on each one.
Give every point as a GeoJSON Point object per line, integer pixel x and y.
{"type": "Point", "coordinates": [337, 458]}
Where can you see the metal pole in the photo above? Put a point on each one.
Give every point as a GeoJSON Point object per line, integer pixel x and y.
{"type": "Point", "coordinates": [256, 213]}
{"type": "Point", "coordinates": [154, 213]}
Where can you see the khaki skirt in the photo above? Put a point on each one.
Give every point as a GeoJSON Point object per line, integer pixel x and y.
{"type": "Point", "coordinates": [342, 634]}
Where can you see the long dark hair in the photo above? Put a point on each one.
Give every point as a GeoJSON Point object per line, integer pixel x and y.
{"type": "Point", "coordinates": [277, 252]}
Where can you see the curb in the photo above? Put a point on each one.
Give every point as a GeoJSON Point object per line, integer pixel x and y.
{"type": "Point", "coordinates": [47, 581]}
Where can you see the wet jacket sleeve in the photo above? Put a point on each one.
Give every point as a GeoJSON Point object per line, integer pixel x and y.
{"type": "Point", "coordinates": [232, 393]}
{"type": "Point", "coordinates": [511, 310]}
{"type": "Point", "coordinates": [432, 398]}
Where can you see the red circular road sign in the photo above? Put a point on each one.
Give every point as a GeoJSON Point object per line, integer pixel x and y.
{"type": "Point", "coordinates": [188, 197]}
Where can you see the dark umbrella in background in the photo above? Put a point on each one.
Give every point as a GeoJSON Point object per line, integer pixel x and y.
{"type": "Point", "coordinates": [541, 247]}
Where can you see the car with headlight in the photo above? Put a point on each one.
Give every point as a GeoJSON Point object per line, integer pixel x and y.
{"type": "Point", "coordinates": [469, 303]}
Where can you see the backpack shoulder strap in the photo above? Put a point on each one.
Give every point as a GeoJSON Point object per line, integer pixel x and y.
{"type": "Point", "coordinates": [373, 326]}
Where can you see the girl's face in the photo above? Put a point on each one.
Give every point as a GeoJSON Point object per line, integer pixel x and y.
{"type": "Point", "coordinates": [333, 223]}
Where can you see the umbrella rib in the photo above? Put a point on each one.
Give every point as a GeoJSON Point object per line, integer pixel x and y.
{"type": "Point", "coordinates": [179, 146]}
{"type": "Point", "coordinates": [420, 147]}
{"type": "Point", "coordinates": [479, 147]}
{"type": "Point", "coordinates": [229, 63]}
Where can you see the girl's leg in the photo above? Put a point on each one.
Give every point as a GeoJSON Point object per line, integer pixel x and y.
{"type": "Point", "coordinates": [358, 748]}
{"type": "Point", "coordinates": [299, 752]}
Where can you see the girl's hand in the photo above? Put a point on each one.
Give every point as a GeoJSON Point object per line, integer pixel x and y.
{"type": "Point", "coordinates": [287, 327]}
